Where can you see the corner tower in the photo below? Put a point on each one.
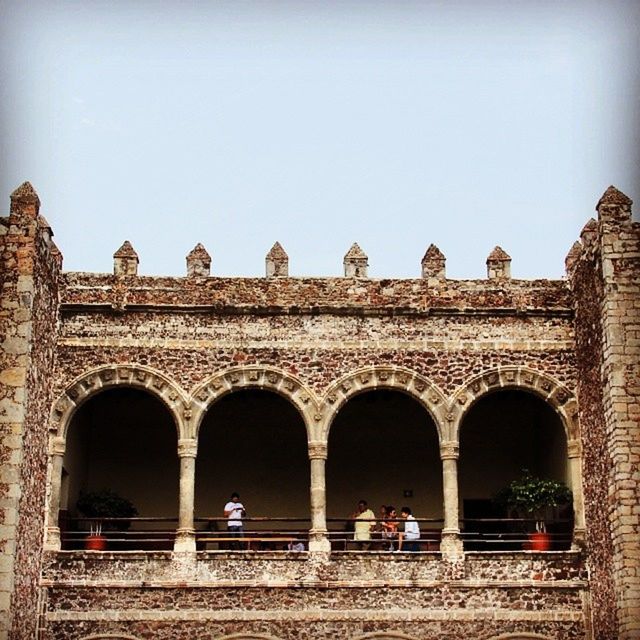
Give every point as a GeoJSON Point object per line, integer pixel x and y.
{"type": "Point", "coordinates": [28, 322]}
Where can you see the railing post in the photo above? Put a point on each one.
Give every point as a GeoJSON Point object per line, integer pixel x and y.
{"type": "Point", "coordinates": [451, 544]}
{"type": "Point", "coordinates": [318, 540]}
{"type": "Point", "coordinates": [186, 533]}
{"type": "Point", "coordinates": [57, 450]}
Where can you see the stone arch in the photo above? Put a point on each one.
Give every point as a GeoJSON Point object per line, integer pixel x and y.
{"type": "Point", "coordinates": [110, 636]}
{"type": "Point", "coordinates": [385, 635]}
{"type": "Point", "coordinates": [113, 376]}
{"type": "Point", "coordinates": [254, 377]}
{"type": "Point", "coordinates": [561, 399]}
{"type": "Point", "coordinates": [247, 636]}
{"type": "Point", "coordinates": [412, 384]}
{"type": "Point", "coordinates": [520, 636]}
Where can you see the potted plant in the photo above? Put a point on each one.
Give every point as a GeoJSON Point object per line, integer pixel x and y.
{"type": "Point", "coordinates": [532, 497]}
{"type": "Point", "coordinates": [107, 510]}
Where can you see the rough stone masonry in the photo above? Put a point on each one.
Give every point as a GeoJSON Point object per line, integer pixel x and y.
{"type": "Point", "coordinates": [318, 342]}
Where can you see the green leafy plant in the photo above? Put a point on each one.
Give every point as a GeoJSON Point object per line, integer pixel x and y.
{"type": "Point", "coordinates": [106, 503]}
{"type": "Point", "coordinates": [533, 497]}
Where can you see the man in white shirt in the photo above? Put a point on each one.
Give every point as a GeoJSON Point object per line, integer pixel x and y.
{"type": "Point", "coordinates": [234, 512]}
{"type": "Point", "coordinates": [407, 540]}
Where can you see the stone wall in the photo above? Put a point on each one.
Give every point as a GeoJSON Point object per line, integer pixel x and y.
{"type": "Point", "coordinates": [30, 267]}
{"type": "Point", "coordinates": [597, 463]}
{"type": "Point", "coordinates": [316, 329]}
{"type": "Point", "coordinates": [445, 342]}
{"type": "Point", "coordinates": [620, 262]}
{"type": "Point", "coordinates": [292, 596]}
{"type": "Point", "coordinates": [605, 277]}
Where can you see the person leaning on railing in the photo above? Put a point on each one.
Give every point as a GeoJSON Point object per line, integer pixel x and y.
{"type": "Point", "coordinates": [408, 539]}
{"type": "Point", "coordinates": [390, 528]}
{"type": "Point", "coordinates": [365, 522]}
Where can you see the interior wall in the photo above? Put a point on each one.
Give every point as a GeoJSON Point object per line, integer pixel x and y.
{"type": "Point", "coordinates": [505, 432]}
{"type": "Point", "coordinates": [253, 442]}
{"type": "Point", "coordinates": [125, 440]}
{"type": "Point", "coordinates": [382, 444]}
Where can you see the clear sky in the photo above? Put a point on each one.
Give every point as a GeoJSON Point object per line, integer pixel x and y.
{"type": "Point", "coordinates": [394, 124]}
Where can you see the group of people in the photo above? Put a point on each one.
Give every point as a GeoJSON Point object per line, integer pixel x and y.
{"type": "Point", "coordinates": [385, 531]}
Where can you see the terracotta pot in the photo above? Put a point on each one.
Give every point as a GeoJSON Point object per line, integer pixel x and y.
{"type": "Point", "coordinates": [95, 543]}
{"type": "Point", "coordinates": [539, 541]}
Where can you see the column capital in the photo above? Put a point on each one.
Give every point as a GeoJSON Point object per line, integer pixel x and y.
{"type": "Point", "coordinates": [574, 449]}
{"type": "Point", "coordinates": [187, 448]}
{"type": "Point", "coordinates": [449, 450]}
{"type": "Point", "coordinates": [317, 450]}
{"type": "Point", "coordinates": [57, 446]}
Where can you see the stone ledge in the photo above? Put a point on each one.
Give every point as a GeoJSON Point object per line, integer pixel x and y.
{"type": "Point", "coordinates": [313, 584]}
{"type": "Point", "coordinates": [319, 614]}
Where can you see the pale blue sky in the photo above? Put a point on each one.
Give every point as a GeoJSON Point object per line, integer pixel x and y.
{"type": "Point", "coordinates": [393, 124]}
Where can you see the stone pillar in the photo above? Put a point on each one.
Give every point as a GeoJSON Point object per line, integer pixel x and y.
{"type": "Point", "coordinates": [198, 263]}
{"type": "Point", "coordinates": [574, 453]}
{"type": "Point", "coordinates": [318, 540]}
{"type": "Point", "coordinates": [28, 329]}
{"type": "Point", "coordinates": [277, 262]}
{"type": "Point", "coordinates": [186, 533]}
{"type": "Point", "coordinates": [355, 262]}
{"type": "Point", "coordinates": [52, 541]}
{"type": "Point", "coordinates": [125, 261]}
{"type": "Point", "coordinates": [499, 265]}
{"type": "Point", "coordinates": [451, 545]}
{"type": "Point", "coordinates": [433, 264]}
{"type": "Point", "coordinates": [619, 244]}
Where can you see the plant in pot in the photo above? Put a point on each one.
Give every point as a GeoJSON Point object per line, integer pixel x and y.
{"type": "Point", "coordinates": [532, 497]}
{"type": "Point", "coordinates": [106, 510]}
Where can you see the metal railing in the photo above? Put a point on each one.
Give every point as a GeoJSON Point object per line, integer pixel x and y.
{"type": "Point", "coordinates": [292, 534]}
{"type": "Point", "coordinates": [514, 534]}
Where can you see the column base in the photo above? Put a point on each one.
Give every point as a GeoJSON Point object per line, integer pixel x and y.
{"type": "Point", "coordinates": [318, 541]}
{"type": "Point", "coordinates": [451, 545]}
{"type": "Point", "coordinates": [52, 539]}
{"type": "Point", "coordinates": [185, 541]}
{"type": "Point", "coordinates": [579, 540]}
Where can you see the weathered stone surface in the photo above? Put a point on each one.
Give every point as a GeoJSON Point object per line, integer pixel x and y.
{"type": "Point", "coordinates": [319, 342]}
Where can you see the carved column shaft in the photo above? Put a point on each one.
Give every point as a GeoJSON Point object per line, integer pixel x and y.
{"type": "Point", "coordinates": [574, 452]}
{"type": "Point", "coordinates": [185, 535]}
{"type": "Point", "coordinates": [53, 541]}
{"type": "Point", "coordinates": [318, 533]}
{"type": "Point", "coordinates": [449, 456]}
{"type": "Point", "coordinates": [451, 544]}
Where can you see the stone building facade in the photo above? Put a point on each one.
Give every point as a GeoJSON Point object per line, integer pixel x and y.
{"type": "Point", "coordinates": [483, 374]}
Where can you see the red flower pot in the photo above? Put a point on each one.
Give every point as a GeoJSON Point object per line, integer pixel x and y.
{"type": "Point", "coordinates": [95, 543]}
{"type": "Point", "coordinates": [539, 541]}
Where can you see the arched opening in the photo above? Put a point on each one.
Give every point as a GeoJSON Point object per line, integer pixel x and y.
{"type": "Point", "coordinates": [383, 448]}
{"type": "Point", "coordinates": [503, 434]}
{"type": "Point", "coordinates": [121, 442]}
{"type": "Point", "coordinates": [253, 442]}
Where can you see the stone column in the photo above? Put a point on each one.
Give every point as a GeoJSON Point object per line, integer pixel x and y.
{"type": "Point", "coordinates": [451, 545]}
{"type": "Point", "coordinates": [186, 533]}
{"type": "Point", "coordinates": [318, 540]}
{"type": "Point", "coordinates": [57, 450]}
{"type": "Point", "coordinates": [574, 453]}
